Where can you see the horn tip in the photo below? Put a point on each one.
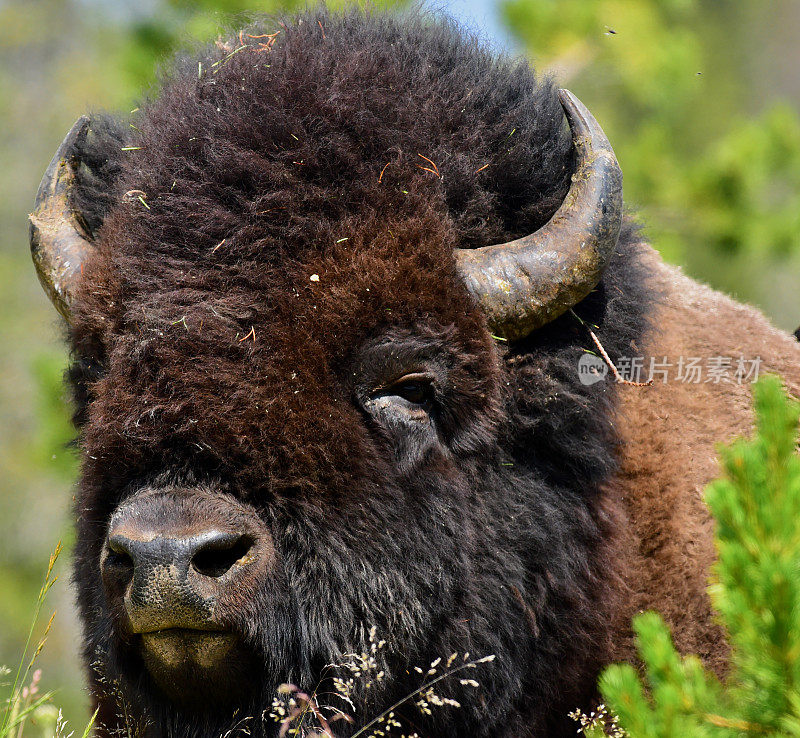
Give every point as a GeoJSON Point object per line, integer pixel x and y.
{"type": "Point", "coordinates": [75, 137]}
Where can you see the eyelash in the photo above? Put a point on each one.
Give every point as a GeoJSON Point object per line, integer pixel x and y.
{"type": "Point", "coordinates": [414, 388]}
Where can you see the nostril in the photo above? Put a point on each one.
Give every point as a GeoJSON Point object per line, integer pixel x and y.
{"type": "Point", "coordinates": [118, 559]}
{"type": "Point", "coordinates": [218, 555]}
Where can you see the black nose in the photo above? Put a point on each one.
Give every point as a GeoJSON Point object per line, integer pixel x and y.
{"type": "Point", "coordinates": [169, 562]}
{"type": "Point", "coordinates": [169, 582]}
{"type": "Point", "coordinates": [211, 553]}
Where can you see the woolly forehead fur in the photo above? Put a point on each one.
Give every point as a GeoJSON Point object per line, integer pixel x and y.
{"type": "Point", "coordinates": [278, 206]}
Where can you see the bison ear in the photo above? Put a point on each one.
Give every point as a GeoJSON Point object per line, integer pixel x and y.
{"type": "Point", "coordinates": [73, 197]}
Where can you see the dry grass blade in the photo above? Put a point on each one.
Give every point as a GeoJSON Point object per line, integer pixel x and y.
{"type": "Point", "coordinates": [22, 672]}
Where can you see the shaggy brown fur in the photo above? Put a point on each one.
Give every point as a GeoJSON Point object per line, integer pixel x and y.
{"type": "Point", "coordinates": [670, 433]}
{"type": "Point", "coordinates": [293, 259]}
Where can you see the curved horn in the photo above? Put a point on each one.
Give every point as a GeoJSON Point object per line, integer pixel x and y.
{"type": "Point", "coordinates": [526, 283]}
{"type": "Point", "coordinates": [59, 244]}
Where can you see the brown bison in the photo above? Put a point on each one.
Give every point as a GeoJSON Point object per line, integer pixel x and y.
{"type": "Point", "coordinates": [328, 301]}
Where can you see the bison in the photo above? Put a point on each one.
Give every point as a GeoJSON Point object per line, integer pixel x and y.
{"type": "Point", "coordinates": [327, 299]}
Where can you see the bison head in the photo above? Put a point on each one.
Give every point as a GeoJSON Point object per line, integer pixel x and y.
{"type": "Point", "coordinates": [295, 422]}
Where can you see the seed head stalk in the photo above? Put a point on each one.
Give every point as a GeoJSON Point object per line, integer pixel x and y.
{"type": "Point", "coordinates": [377, 720]}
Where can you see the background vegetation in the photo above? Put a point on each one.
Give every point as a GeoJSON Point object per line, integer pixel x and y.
{"type": "Point", "coordinates": [699, 97]}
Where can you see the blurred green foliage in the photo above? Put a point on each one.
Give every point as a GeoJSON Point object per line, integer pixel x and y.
{"type": "Point", "coordinates": [711, 164]}
{"type": "Point", "coordinates": [710, 158]}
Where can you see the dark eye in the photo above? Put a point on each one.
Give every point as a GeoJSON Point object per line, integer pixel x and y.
{"type": "Point", "coordinates": [415, 389]}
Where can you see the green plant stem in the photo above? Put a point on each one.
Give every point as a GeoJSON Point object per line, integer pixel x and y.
{"type": "Point", "coordinates": [12, 711]}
